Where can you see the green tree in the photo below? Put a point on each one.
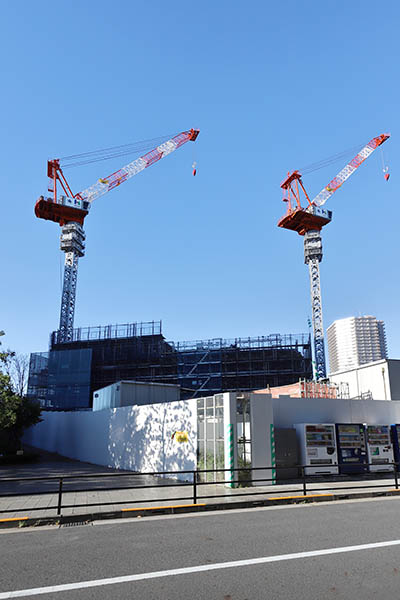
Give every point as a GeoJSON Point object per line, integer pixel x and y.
{"type": "Point", "coordinates": [16, 412]}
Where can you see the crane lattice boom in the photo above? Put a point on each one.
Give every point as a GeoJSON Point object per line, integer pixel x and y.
{"type": "Point", "coordinates": [111, 181]}
{"type": "Point", "coordinates": [349, 169]}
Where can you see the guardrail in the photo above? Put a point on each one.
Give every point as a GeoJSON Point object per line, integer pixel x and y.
{"type": "Point", "coordinates": [193, 481]}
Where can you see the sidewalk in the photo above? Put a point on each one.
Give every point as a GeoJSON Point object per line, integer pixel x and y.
{"type": "Point", "coordinates": [50, 465]}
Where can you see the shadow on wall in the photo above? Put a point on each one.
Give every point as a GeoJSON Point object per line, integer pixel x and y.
{"type": "Point", "coordinates": [141, 438]}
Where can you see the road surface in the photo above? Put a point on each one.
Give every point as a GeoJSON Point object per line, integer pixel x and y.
{"type": "Point", "coordinates": [349, 549]}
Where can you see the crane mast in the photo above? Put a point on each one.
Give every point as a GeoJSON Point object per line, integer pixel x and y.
{"type": "Point", "coordinates": [312, 258]}
{"type": "Point", "coordinates": [70, 210]}
{"type": "Point", "coordinates": [309, 222]}
{"type": "Point", "coordinates": [72, 242]}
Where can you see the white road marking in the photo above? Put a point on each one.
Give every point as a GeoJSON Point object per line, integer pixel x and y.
{"type": "Point", "coordinates": [52, 589]}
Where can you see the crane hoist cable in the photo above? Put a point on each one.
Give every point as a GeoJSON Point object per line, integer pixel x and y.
{"type": "Point", "coordinates": [77, 160]}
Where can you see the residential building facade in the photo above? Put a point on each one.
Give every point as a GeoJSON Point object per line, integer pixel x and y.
{"type": "Point", "coordinates": [355, 341]}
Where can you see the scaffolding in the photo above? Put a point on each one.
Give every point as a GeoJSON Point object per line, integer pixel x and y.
{"type": "Point", "coordinates": [140, 352]}
{"type": "Point", "coordinates": [246, 364]}
{"type": "Point", "coordinates": [108, 332]}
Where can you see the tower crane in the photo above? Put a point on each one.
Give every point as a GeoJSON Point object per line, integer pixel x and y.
{"type": "Point", "coordinates": [308, 222]}
{"type": "Point", "coordinates": [70, 210]}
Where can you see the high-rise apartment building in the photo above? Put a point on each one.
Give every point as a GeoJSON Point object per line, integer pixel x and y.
{"type": "Point", "coordinates": [355, 341]}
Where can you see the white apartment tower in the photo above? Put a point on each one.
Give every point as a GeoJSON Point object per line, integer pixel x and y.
{"type": "Point", "coordinates": [355, 341]}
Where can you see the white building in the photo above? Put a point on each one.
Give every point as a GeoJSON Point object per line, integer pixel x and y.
{"type": "Point", "coordinates": [379, 380]}
{"type": "Point", "coordinates": [355, 341]}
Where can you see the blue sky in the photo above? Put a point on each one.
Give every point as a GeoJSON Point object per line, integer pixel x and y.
{"type": "Point", "coordinates": [272, 87]}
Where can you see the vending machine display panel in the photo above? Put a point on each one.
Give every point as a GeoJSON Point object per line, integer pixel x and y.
{"type": "Point", "coordinates": [317, 445]}
{"type": "Point", "coordinates": [352, 450]}
{"type": "Point", "coordinates": [380, 449]}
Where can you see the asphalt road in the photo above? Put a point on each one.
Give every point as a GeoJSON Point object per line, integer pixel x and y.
{"type": "Point", "coordinates": [76, 554]}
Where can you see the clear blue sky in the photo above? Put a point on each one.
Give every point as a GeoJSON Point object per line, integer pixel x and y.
{"type": "Point", "coordinates": [272, 86]}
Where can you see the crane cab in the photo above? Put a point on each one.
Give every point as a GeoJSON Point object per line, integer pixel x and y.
{"type": "Point", "coordinates": [64, 211]}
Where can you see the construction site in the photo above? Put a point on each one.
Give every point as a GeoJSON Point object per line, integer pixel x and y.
{"type": "Point", "coordinates": [83, 360]}
{"type": "Point", "coordinates": [67, 376]}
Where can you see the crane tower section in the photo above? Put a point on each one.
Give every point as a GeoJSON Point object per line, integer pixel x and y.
{"type": "Point", "coordinates": [69, 211]}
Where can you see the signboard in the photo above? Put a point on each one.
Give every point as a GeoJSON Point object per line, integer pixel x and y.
{"type": "Point", "coordinates": [180, 436]}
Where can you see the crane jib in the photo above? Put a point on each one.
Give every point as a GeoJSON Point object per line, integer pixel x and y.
{"type": "Point", "coordinates": [349, 169]}
{"type": "Point", "coordinates": [133, 168]}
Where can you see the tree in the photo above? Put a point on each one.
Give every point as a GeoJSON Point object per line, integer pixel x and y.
{"type": "Point", "coordinates": [16, 366]}
{"type": "Point", "coordinates": [16, 412]}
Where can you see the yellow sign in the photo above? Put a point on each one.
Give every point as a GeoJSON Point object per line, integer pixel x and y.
{"type": "Point", "coordinates": [181, 436]}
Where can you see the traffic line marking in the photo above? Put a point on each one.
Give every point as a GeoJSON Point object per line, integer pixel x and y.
{"type": "Point", "coordinates": [14, 519]}
{"type": "Point", "coordinates": [52, 589]}
{"type": "Point", "coordinates": [302, 496]}
{"type": "Point", "coordinates": [161, 507]}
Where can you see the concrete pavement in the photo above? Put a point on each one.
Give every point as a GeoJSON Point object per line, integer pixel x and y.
{"type": "Point", "coordinates": [18, 499]}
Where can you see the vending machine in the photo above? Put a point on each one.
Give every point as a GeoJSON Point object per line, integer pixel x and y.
{"type": "Point", "coordinates": [352, 449]}
{"type": "Point", "coordinates": [317, 448]}
{"type": "Point", "coordinates": [396, 444]}
{"type": "Point", "coordinates": [379, 447]}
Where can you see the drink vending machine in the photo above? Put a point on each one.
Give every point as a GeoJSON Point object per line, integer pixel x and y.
{"type": "Point", "coordinates": [380, 449]}
{"type": "Point", "coordinates": [396, 444]}
{"type": "Point", "coordinates": [352, 449]}
{"type": "Point", "coordinates": [317, 445]}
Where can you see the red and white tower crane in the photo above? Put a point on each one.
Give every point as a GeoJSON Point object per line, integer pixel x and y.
{"type": "Point", "coordinates": [308, 222]}
{"type": "Point", "coordinates": [69, 211]}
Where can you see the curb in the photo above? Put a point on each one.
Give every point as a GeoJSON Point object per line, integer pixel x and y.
{"type": "Point", "coordinates": [148, 511]}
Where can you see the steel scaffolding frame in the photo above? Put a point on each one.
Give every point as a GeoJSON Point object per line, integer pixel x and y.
{"type": "Point", "coordinates": [140, 352]}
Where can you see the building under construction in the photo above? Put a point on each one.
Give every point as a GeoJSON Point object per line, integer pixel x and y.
{"type": "Point", "coordinates": [66, 376]}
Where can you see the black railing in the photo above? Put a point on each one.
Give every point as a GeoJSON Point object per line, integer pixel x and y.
{"type": "Point", "coordinates": [58, 485]}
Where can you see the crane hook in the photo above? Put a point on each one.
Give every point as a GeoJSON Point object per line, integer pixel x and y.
{"type": "Point", "coordinates": [194, 168]}
{"type": "Point", "coordinates": [385, 168]}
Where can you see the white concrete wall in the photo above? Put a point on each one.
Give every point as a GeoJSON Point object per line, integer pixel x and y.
{"type": "Point", "coordinates": [381, 380]}
{"type": "Point", "coordinates": [261, 419]}
{"type": "Point", "coordinates": [136, 438]}
{"type": "Point", "coordinates": [288, 411]}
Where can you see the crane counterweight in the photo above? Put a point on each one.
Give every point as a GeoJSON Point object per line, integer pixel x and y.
{"type": "Point", "coordinates": [63, 211]}
{"type": "Point", "coordinates": [303, 220]}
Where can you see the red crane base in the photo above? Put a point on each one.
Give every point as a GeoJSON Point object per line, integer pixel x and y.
{"type": "Point", "coordinates": [49, 210]}
{"type": "Point", "coordinates": [302, 221]}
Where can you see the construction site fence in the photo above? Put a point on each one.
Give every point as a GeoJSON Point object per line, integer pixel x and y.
{"type": "Point", "coordinates": [239, 478]}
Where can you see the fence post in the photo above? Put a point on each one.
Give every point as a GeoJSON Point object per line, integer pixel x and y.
{"type": "Point", "coordinates": [396, 482]}
{"type": "Point", "coordinates": [194, 487]}
{"type": "Point", "coordinates": [303, 473]}
{"type": "Point", "coordinates": [60, 486]}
